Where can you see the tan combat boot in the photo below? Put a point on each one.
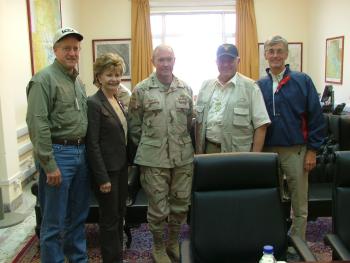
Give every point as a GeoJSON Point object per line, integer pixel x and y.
{"type": "Point", "coordinates": [158, 252]}
{"type": "Point", "coordinates": [173, 243]}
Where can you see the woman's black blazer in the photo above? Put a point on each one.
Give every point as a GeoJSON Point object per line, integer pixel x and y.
{"type": "Point", "coordinates": [105, 142]}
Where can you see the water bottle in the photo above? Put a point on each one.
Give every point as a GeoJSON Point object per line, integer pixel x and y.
{"type": "Point", "coordinates": [267, 256]}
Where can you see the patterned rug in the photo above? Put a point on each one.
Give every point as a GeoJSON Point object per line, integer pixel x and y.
{"type": "Point", "coordinates": [140, 250]}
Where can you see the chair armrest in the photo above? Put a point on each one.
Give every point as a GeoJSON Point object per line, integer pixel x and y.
{"type": "Point", "coordinates": [301, 247]}
{"type": "Point", "coordinates": [133, 183]}
{"type": "Point", "coordinates": [338, 247]}
{"type": "Point", "coordinates": [185, 251]}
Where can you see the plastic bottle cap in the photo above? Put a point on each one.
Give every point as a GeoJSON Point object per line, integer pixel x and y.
{"type": "Point", "coordinates": [268, 249]}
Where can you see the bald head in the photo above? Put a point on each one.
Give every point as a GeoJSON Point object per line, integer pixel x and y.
{"type": "Point", "coordinates": [163, 60]}
{"type": "Point", "coordinates": [162, 47]}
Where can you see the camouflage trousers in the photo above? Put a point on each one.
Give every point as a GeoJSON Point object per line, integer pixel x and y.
{"type": "Point", "coordinates": [168, 191]}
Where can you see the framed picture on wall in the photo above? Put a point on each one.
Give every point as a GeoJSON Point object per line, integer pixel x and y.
{"type": "Point", "coordinates": [334, 60]}
{"type": "Point", "coordinates": [122, 47]}
{"type": "Point", "coordinates": [44, 19]}
{"type": "Point", "coordinates": [295, 57]}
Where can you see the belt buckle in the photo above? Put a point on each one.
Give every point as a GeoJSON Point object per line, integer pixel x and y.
{"type": "Point", "coordinates": [79, 141]}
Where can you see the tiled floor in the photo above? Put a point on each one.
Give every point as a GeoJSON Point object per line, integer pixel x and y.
{"type": "Point", "coordinates": [13, 238]}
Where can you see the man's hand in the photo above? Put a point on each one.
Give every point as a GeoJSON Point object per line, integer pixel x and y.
{"type": "Point", "coordinates": [310, 160]}
{"type": "Point", "coordinates": [105, 188]}
{"type": "Point", "coordinates": [54, 178]}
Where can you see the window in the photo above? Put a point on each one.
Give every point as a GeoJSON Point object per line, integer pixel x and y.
{"type": "Point", "coordinates": [194, 38]}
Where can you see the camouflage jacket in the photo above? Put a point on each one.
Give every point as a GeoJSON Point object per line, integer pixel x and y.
{"type": "Point", "coordinates": [160, 121]}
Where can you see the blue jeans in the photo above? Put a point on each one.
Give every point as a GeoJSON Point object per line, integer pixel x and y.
{"type": "Point", "coordinates": [65, 207]}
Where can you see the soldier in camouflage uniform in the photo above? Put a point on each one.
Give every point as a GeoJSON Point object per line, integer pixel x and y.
{"type": "Point", "coordinates": [160, 114]}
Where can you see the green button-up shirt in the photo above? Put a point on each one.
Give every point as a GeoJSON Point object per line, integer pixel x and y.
{"type": "Point", "coordinates": [56, 109]}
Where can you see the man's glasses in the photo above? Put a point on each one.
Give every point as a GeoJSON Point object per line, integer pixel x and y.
{"type": "Point", "coordinates": [272, 51]}
{"type": "Point", "coordinates": [69, 49]}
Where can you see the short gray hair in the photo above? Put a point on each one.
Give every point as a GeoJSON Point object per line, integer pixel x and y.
{"type": "Point", "coordinates": [274, 41]}
{"type": "Point", "coordinates": [161, 47]}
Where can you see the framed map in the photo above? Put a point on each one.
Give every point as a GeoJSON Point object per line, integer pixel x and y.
{"type": "Point", "coordinates": [295, 58]}
{"type": "Point", "coordinates": [122, 47]}
{"type": "Point", "coordinates": [44, 18]}
{"type": "Point", "coordinates": [334, 60]}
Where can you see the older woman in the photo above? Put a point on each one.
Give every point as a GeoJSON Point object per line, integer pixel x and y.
{"type": "Point", "coordinates": [106, 148]}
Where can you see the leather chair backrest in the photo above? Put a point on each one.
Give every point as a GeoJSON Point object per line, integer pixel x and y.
{"type": "Point", "coordinates": [341, 197]}
{"type": "Point", "coordinates": [236, 207]}
{"type": "Point", "coordinates": [344, 138]}
{"type": "Point", "coordinates": [334, 124]}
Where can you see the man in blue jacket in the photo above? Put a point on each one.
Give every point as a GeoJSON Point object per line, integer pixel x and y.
{"type": "Point", "coordinates": [297, 124]}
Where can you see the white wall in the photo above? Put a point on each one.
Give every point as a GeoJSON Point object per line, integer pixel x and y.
{"type": "Point", "coordinates": [107, 19]}
{"type": "Point", "coordinates": [285, 18]}
{"type": "Point", "coordinates": [310, 22]}
{"type": "Point", "coordinates": [329, 18]}
{"type": "Point", "coordinates": [15, 56]}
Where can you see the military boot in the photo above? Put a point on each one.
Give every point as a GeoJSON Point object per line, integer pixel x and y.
{"type": "Point", "coordinates": [173, 243]}
{"type": "Point", "coordinates": [158, 252]}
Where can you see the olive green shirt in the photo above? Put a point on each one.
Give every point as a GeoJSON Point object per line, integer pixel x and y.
{"type": "Point", "coordinates": [56, 109]}
{"type": "Point", "coordinates": [159, 123]}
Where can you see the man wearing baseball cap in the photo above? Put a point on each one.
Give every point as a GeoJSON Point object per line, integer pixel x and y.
{"type": "Point", "coordinates": [230, 112]}
{"type": "Point", "coordinates": [57, 123]}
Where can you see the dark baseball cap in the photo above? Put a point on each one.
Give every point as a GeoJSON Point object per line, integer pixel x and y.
{"type": "Point", "coordinates": [228, 50]}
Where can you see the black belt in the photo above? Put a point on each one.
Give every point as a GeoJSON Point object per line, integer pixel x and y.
{"type": "Point", "coordinates": [218, 145]}
{"type": "Point", "coordinates": [76, 142]}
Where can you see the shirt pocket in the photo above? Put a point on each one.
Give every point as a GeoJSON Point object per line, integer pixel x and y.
{"type": "Point", "coordinates": [182, 110]}
{"type": "Point", "coordinates": [63, 112]}
{"type": "Point", "coordinates": [152, 115]}
{"type": "Point", "coordinates": [150, 150]}
{"type": "Point", "coordinates": [153, 105]}
{"type": "Point", "coordinates": [241, 117]}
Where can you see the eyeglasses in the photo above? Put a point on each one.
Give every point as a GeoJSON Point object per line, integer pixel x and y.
{"type": "Point", "coordinates": [278, 52]}
{"type": "Point", "coordinates": [68, 49]}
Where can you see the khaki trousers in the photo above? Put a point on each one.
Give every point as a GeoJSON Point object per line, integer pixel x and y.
{"type": "Point", "coordinates": [291, 164]}
{"type": "Point", "coordinates": [212, 147]}
{"type": "Point", "coordinates": [168, 191]}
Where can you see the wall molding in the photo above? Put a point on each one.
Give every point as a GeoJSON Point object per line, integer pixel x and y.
{"type": "Point", "coordinates": [22, 131]}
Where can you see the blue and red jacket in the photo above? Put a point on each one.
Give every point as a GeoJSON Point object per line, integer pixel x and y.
{"type": "Point", "coordinates": [295, 111]}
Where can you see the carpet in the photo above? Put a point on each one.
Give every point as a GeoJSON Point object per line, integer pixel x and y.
{"type": "Point", "coordinates": [140, 250]}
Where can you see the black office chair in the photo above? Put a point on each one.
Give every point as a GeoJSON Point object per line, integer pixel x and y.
{"type": "Point", "coordinates": [236, 209]}
{"type": "Point", "coordinates": [340, 239]}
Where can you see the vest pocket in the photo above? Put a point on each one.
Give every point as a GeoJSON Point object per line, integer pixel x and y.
{"type": "Point", "coordinates": [242, 143]}
{"type": "Point", "coordinates": [241, 117]}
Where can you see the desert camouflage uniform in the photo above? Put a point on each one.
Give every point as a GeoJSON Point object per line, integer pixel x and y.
{"type": "Point", "coordinates": [160, 120]}
{"type": "Point", "coordinates": [124, 95]}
